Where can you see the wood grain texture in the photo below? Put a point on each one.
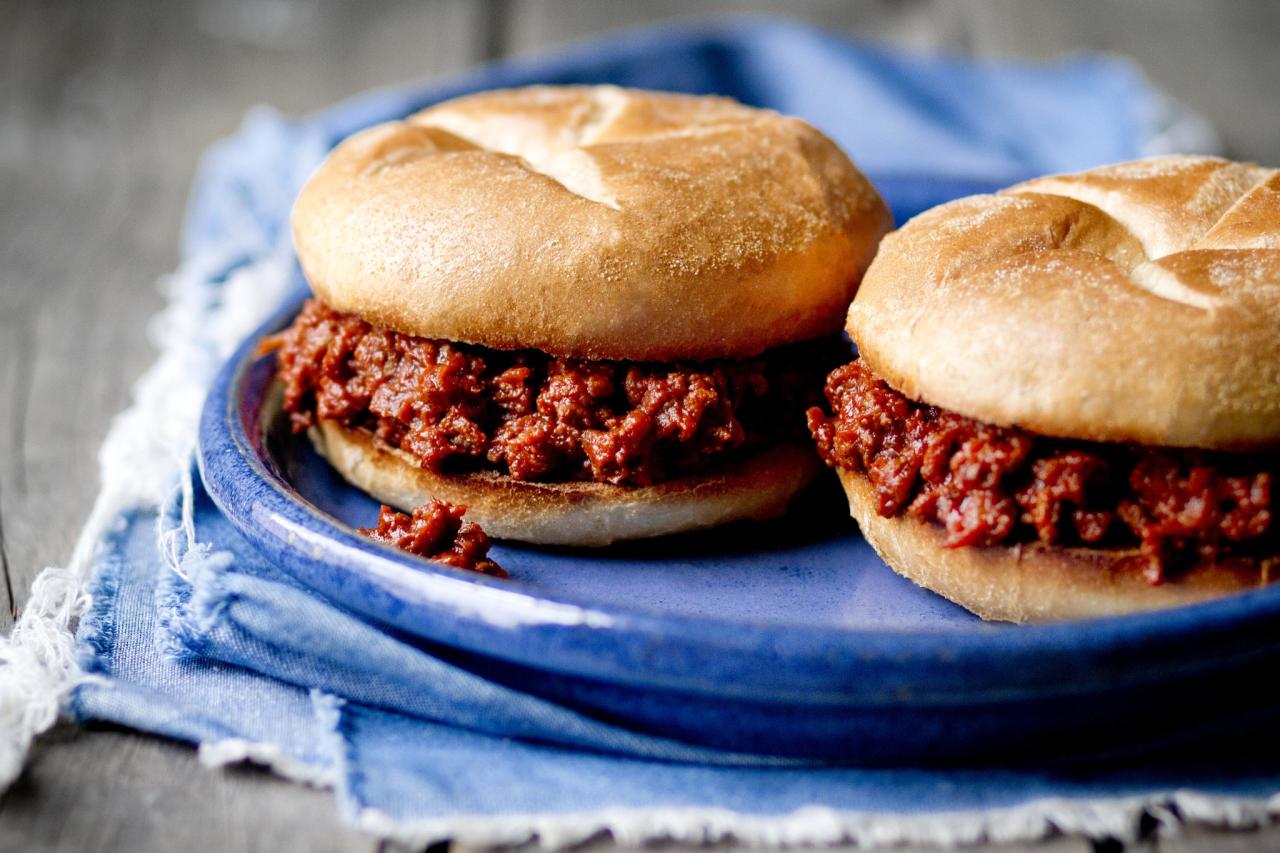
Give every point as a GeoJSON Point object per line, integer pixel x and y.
{"type": "Point", "coordinates": [104, 789]}
{"type": "Point", "coordinates": [914, 24]}
{"type": "Point", "coordinates": [1220, 58]}
{"type": "Point", "coordinates": [104, 109]}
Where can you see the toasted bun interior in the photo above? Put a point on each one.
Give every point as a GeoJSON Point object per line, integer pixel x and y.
{"type": "Point", "coordinates": [593, 222]}
{"type": "Point", "coordinates": [1137, 302]}
{"type": "Point", "coordinates": [756, 487]}
{"type": "Point", "coordinates": [1032, 582]}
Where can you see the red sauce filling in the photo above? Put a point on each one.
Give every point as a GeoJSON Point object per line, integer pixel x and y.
{"type": "Point", "coordinates": [987, 485]}
{"type": "Point", "coordinates": [532, 416]}
{"type": "Point", "coordinates": [438, 532]}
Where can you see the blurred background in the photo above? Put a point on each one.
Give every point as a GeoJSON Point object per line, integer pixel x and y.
{"type": "Point", "coordinates": [106, 106]}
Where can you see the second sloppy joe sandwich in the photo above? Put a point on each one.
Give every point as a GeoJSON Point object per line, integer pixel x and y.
{"type": "Point", "coordinates": [1067, 396]}
{"type": "Point", "coordinates": [587, 314]}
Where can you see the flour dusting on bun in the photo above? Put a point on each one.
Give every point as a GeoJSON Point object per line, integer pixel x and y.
{"type": "Point", "coordinates": [586, 313]}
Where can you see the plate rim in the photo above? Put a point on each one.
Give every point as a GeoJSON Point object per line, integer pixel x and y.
{"type": "Point", "coordinates": [820, 665]}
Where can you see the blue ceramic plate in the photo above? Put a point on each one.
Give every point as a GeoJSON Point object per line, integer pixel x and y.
{"type": "Point", "coordinates": [788, 637]}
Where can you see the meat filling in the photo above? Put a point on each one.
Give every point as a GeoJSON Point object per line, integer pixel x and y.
{"type": "Point", "coordinates": [535, 417]}
{"type": "Point", "coordinates": [438, 532]}
{"type": "Point", "coordinates": [987, 485]}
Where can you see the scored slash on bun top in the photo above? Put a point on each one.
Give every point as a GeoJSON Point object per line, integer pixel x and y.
{"type": "Point", "coordinates": [1138, 302]}
{"type": "Point", "coordinates": [593, 222]}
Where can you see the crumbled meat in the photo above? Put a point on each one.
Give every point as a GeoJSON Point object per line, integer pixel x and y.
{"type": "Point", "coordinates": [439, 532]}
{"type": "Point", "coordinates": [535, 417]}
{"type": "Point", "coordinates": [986, 484]}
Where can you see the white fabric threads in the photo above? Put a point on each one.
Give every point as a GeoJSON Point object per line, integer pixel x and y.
{"type": "Point", "coordinates": [34, 662]}
{"type": "Point", "coordinates": [147, 445]}
{"type": "Point", "coordinates": [231, 751]}
{"type": "Point", "coordinates": [1119, 818]}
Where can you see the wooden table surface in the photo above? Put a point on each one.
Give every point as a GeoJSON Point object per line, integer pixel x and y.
{"type": "Point", "coordinates": [104, 109]}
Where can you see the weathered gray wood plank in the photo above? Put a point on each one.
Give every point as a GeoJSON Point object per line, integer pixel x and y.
{"type": "Point", "coordinates": [104, 108]}
{"type": "Point", "coordinates": [105, 790]}
{"type": "Point", "coordinates": [535, 24]}
{"type": "Point", "coordinates": [1219, 58]}
{"type": "Point", "coordinates": [1203, 840]}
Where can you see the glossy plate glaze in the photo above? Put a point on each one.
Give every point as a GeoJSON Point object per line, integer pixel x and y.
{"type": "Point", "coordinates": [788, 637]}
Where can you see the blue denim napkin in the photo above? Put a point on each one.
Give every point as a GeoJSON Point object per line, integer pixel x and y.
{"type": "Point", "coordinates": [191, 634]}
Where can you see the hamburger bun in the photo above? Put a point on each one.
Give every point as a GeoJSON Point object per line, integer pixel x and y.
{"type": "Point", "coordinates": [1132, 303]}
{"type": "Point", "coordinates": [592, 222]}
{"type": "Point", "coordinates": [1030, 582]}
{"type": "Point", "coordinates": [573, 513]}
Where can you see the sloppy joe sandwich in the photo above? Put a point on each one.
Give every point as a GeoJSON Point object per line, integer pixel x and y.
{"type": "Point", "coordinates": [1066, 399]}
{"type": "Point", "coordinates": [585, 313]}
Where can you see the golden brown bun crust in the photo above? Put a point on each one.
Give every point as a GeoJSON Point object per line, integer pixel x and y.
{"type": "Point", "coordinates": [757, 487]}
{"type": "Point", "coordinates": [1137, 302]}
{"type": "Point", "coordinates": [1028, 583]}
{"type": "Point", "coordinates": [593, 222]}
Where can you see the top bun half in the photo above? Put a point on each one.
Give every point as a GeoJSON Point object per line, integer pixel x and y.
{"type": "Point", "coordinates": [592, 222]}
{"type": "Point", "coordinates": [1138, 302]}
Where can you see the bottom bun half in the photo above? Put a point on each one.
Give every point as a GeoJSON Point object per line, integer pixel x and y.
{"type": "Point", "coordinates": [1032, 582]}
{"type": "Point", "coordinates": [758, 486]}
